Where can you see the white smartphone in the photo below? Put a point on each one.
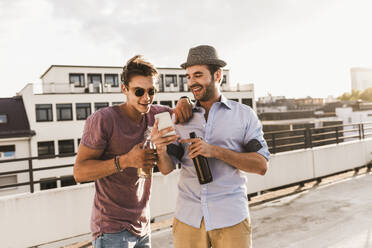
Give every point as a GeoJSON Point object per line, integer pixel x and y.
{"type": "Point", "coordinates": [164, 121]}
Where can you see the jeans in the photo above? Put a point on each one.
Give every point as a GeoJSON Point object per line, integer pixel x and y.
{"type": "Point", "coordinates": [123, 239]}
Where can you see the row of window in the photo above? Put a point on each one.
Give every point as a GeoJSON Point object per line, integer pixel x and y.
{"type": "Point", "coordinates": [78, 79]}
{"type": "Point", "coordinates": [168, 79]}
{"type": "Point", "coordinates": [44, 112]}
{"type": "Point", "coordinates": [46, 148]}
{"type": "Point", "coordinates": [165, 80]}
{"type": "Point", "coordinates": [51, 182]}
{"type": "Point", "coordinates": [45, 183]}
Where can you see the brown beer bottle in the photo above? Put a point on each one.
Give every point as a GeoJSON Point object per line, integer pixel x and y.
{"type": "Point", "coordinates": [201, 166]}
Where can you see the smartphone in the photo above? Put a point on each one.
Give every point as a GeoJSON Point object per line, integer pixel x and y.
{"type": "Point", "coordinates": [164, 121]}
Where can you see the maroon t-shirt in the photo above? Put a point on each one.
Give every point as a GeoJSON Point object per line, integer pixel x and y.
{"type": "Point", "coordinates": [121, 200]}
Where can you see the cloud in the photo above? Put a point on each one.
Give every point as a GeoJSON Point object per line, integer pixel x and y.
{"type": "Point", "coordinates": [166, 27]}
{"type": "Point", "coordinates": [273, 43]}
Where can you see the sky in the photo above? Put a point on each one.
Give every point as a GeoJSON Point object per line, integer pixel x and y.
{"type": "Point", "coordinates": [292, 48]}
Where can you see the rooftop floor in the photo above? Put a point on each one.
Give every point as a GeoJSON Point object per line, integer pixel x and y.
{"type": "Point", "coordinates": [337, 213]}
{"type": "Point", "coordinates": [334, 215]}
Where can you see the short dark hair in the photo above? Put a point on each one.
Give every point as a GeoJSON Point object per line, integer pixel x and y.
{"type": "Point", "coordinates": [137, 66]}
{"type": "Point", "coordinates": [213, 68]}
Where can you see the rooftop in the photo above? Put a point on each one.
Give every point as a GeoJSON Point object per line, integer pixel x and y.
{"type": "Point", "coordinates": [16, 123]}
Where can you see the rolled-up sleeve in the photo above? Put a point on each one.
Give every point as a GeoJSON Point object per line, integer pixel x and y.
{"type": "Point", "coordinates": [253, 130]}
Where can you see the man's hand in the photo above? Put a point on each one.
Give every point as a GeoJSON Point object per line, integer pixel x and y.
{"type": "Point", "coordinates": [160, 141]}
{"type": "Point", "coordinates": [183, 110]}
{"type": "Point", "coordinates": [199, 147]}
{"type": "Point", "coordinates": [138, 157]}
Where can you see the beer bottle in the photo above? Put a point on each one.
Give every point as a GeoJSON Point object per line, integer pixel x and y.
{"type": "Point", "coordinates": [202, 167]}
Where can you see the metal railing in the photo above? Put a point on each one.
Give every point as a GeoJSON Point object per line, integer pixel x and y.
{"type": "Point", "coordinates": [31, 170]}
{"type": "Point", "coordinates": [278, 141]}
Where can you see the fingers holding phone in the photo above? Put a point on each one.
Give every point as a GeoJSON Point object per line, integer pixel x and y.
{"type": "Point", "coordinates": [163, 132]}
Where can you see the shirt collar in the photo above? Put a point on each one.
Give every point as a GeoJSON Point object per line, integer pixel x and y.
{"type": "Point", "coordinates": [222, 100]}
{"type": "Point", "coordinates": [225, 101]}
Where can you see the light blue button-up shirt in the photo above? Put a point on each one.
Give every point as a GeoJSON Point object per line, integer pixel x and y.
{"type": "Point", "coordinates": [223, 202]}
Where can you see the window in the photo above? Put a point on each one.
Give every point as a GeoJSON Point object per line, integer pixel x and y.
{"type": "Point", "coordinates": [183, 81]}
{"type": "Point", "coordinates": [117, 103]}
{"type": "Point", "coordinates": [8, 180]}
{"type": "Point", "coordinates": [224, 80]}
{"type": "Point", "coordinates": [247, 101]}
{"type": "Point", "coordinates": [7, 152]}
{"type": "Point", "coordinates": [170, 79]}
{"type": "Point", "coordinates": [96, 80]}
{"type": "Point", "coordinates": [3, 118]}
{"type": "Point", "coordinates": [48, 183]}
{"type": "Point", "coordinates": [167, 103]}
{"type": "Point", "coordinates": [112, 79]}
{"type": "Point", "coordinates": [66, 146]}
{"type": "Point", "coordinates": [79, 142]}
{"type": "Point", "coordinates": [234, 99]}
{"type": "Point", "coordinates": [44, 112]}
{"type": "Point", "coordinates": [64, 112]}
{"type": "Point", "coordinates": [161, 83]}
{"type": "Point", "coordinates": [83, 110]}
{"type": "Point", "coordinates": [77, 79]}
{"type": "Point", "coordinates": [67, 181]}
{"type": "Point", "coordinates": [99, 105]}
{"type": "Point", "coordinates": [45, 148]}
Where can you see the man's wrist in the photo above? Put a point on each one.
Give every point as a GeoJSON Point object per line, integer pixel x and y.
{"type": "Point", "coordinates": [117, 163]}
{"type": "Point", "coordinates": [215, 151]}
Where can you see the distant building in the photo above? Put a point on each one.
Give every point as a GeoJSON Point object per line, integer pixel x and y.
{"type": "Point", "coordinates": [361, 78]}
{"type": "Point", "coordinates": [281, 104]}
{"type": "Point", "coordinates": [269, 99]}
{"type": "Point", "coordinates": [355, 113]}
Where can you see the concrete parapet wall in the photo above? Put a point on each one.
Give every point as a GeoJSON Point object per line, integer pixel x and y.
{"type": "Point", "coordinates": [284, 168]}
{"type": "Point", "coordinates": [47, 216]}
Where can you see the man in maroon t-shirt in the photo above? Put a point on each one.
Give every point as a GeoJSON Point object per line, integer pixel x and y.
{"type": "Point", "coordinates": [110, 154]}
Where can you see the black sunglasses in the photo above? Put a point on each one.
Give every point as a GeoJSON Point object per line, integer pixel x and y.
{"type": "Point", "coordinates": [141, 91]}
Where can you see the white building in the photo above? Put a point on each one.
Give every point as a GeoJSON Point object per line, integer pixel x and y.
{"type": "Point", "coordinates": [71, 93]}
{"type": "Point", "coordinates": [351, 116]}
{"type": "Point", "coordinates": [15, 137]}
{"type": "Point", "coordinates": [361, 78]}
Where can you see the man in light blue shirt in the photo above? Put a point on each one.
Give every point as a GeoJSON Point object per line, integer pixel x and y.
{"type": "Point", "coordinates": [215, 214]}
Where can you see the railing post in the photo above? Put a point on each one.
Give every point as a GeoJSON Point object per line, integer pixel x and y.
{"type": "Point", "coordinates": [31, 174]}
{"type": "Point", "coordinates": [310, 138]}
{"type": "Point", "coordinates": [305, 138]}
{"type": "Point", "coordinates": [360, 131]}
{"type": "Point", "coordinates": [273, 142]}
{"type": "Point", "coordinates": [337, 135]}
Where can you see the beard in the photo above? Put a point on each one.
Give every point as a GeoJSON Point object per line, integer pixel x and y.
{"type": "Point", "coordinates": [209, 92]}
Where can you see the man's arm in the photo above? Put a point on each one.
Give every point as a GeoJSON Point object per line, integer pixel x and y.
{"type": "Point", "coordinates": [251, 162]}
{"type": "Point", "coordinates": [89, 167]}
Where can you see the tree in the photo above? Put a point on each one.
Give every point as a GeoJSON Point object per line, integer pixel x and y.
{"type": "Point", "coordinates": [366, 95]}
{"type": "Point", "coordinates": [354, 96]}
